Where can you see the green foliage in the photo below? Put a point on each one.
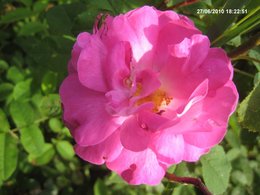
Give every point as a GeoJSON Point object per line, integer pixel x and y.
{"type": "Point", "coordinates": [8, 155]}
{"type": "Point", "coordinates": [249, 110]}
{"type": "Point", "coordinates": [4, 122]}
{"type": "Point", "coordinates": [65, 149]}
{"type": "Point", "coordinates": [36, 149]}
{"type": "Point", "coordinates": [216, 164]}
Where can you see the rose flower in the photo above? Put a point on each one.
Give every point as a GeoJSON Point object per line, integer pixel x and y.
{"type": "Point", "coordinates": [145, 91]}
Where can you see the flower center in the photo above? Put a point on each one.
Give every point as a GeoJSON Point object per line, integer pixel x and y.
{"type": "Point", "coordinates": [159, 98]}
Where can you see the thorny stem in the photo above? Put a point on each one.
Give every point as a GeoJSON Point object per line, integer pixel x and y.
{"type": "Point", "coordinates": [189, 180]}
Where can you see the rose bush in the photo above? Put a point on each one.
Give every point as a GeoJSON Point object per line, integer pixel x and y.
{"type": "Point", "coordinates": [146, 91]}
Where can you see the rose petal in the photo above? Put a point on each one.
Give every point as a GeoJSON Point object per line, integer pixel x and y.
{"type": "Point", "coordinates": [211, 124]}
{"type": "Point", "coordinates": [83, 113]}
{"type": "Point", "coordinates": [193, 153]}
{"type": "Point", "coordinates": [138, 167]}
{"type": "Point", "coordinates": [134, 135]}
{"type": "Point", "coordinates": [82, 41]}
{"type": "Point", "coordinates": [105, 151]}
{"type": "Point", "coordinates": [169, 147]}
{"type": "Point", "coordinates": [136, 27]}
{"type": "Point", "coordinates": [91, 62]}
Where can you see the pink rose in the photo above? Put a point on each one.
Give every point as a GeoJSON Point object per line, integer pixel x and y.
{"type": "Point", "coordinates": [146, 91]}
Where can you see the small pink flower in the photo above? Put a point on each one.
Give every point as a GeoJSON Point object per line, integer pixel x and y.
{"type": "Point", "coordinates": [146, 91]}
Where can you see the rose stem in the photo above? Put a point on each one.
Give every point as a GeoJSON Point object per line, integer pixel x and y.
{"type": "Point", "coordinates": [189, 180]}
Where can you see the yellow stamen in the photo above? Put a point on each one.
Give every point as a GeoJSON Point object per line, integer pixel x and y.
{"type": "Point", "coordinates": [159, 98]}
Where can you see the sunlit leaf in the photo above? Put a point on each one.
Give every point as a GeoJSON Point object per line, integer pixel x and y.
{"type": "Point", "coordinates": [32, 139]}
{"type": "Point", "coordinates": [49, 82]}
{"type": "Point", "coordinates": [100, 188]}
{"type": "Point", "coordinates": [44, 157]}
{"type": "Point", "coordinates": [216, 170]}
{"type": "Point", "coordinates": [55, 125]}
{"type": "Point", "coordinates": [50, 105]}
{"type": "Point", "coordinates": [4, 124]}
{"type": "Point", "coordinates": [249, 110]}
{"type": "Point", "coordinates": [22, 90]}
{"type": "Point", "coordinates": [22, 113]}
{"type": "Point", "coordinates": [8, 155]}
{"type": "Point", "coordinates": [65, 149]}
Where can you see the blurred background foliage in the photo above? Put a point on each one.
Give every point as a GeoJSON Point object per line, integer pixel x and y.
{"type": "Point", "coordinates": [36, 150]}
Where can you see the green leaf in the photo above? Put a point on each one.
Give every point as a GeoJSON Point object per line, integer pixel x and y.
{"type": "Point", "coordinates": [4, 124]}
{"type": "Point", "coordinates": [22, 90]}
{"type": "Point", "coordinates": [8, 155]}
{"type": "Point", "coordinates": [26, 2]}
{"type": "Point", "coordinates": [49, 82]}
{"type": "Point", "coordinates": [39, 6]}
{"type": "Point", "coordinates": [55, 125]}
{"type": "Point", "coordinates": [100, 188]}
{"type": "Point", "coordinates": [3, 65]}
{"type": "Point", "coordinates": [22, 113]}
{"type": "Point", "coordinates": [239, 177]}
{"type": "Point", "coordinates": [31, 28]}
{"type": "Point", "coordinates": [102, 5]}
{"type": "Point", "coordinates": [50, 105]}
{"type": "Point", "coordinates": [249, 110]}
{"type": "Point", "coordinates": [216, 170]}
{"type": "Point", "coordinates": [246, 24]}
{"type": "Point", "coordinates": [14, 74]}
{"type": "Point", "coordinates": [43, 158]}
{"type": "Point", "coordinates": [257, 78]}
{"type": "Point", "coordinates": [255, 53]}
{"type": "Point", "coordinates": [32, 139]}
{"type": "Point", "coordinates": [184, 189]}
{"type": "Point", "coordinates": [65, 149]}
{"type": "Point", "coordinates": [17, 14]}
{"type": "Point", "coordinates": [218, 26]}
{"type": "Point", "coordinates": [182, 169]}
{"type": "Point", "coordinates": [59, 21]}
{"type": "Point", "coordinates": [6, 89]}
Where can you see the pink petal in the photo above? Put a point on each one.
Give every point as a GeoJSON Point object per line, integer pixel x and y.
{"type": "Point", "coordinates": [134, 135]}
{"type": "Point", "coordinates": [174, 80]}
{"type": "Point", "coordinates": [154, 122]}
{"type": "Point", "coordinates": [83, 109]}
{"type": "Point", "coordinates": [90, 65]}
{"type": "Point", "coordinates": [82, 41]}
{"type": "Point", "coordinates": [193, 153]}
{"type": "Point", "coordinates": [169, 147]}
{"type": "Point", "coordinates": [189, 49]}
{"type": "Point", "coordinates": [216, 67]}
{"type": "Point", "coordinates": [170, 34]}
{"type": "Point", "coordinates": [138, 167]}
{"type": "Point", "coordinates": [148, 83]}
{"type": "Point", "coordinates": [106, 151]}
{"type": "Point", "coordinates": [213, 118]}
{"type": "Point", "coordinates": [119, 61]}
{"type": "Point", "coordinates": [197, 95]}
{"type": "Point", "coordinates": [137, 27]}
